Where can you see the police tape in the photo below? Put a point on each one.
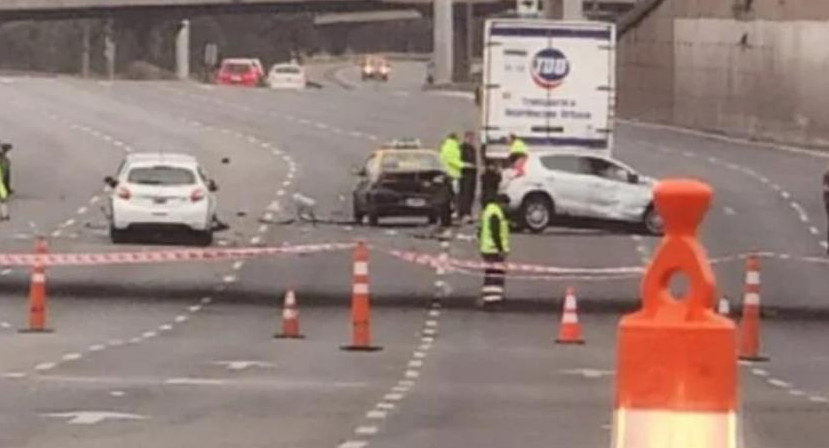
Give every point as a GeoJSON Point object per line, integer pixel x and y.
{"type": "Point", "coordinates": [163, 256]}
{"type": "Point", "coordinates": [524, 271]}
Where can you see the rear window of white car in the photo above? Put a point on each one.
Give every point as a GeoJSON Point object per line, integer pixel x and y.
{"type": "Point", "coordinates": [161, 175]}
{"type": "Point", "coordinates": [287, 70]}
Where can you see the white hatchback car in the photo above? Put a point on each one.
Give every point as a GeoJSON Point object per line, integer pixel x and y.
{"type": "Point", "coordinates": [161, 191]}
{"type": "Point", "coordinates": [287, 76]}
{"type": "Point", "coordinates": [580, 186]}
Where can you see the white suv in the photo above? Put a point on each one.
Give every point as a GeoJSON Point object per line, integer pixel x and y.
{"type": "Point", "coordinates": [161, 191]}
{"type": "Point", "coordinates": [582, 186]}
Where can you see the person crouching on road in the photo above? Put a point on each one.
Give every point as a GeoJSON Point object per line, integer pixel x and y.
{"type": "Point", "coordinates": [450, 156]}
{"type": "Point", "coordinates": [469, 177]}
{"type": "Point", "coordinates": [494, 246]}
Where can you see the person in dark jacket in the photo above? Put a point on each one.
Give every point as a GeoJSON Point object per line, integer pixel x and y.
{"type": "Point", "coordinates": [826, 204]}
{"type": "Point", "coordinates": [490, 181]}
{"type": "Point", "coordinates": [469, 177]}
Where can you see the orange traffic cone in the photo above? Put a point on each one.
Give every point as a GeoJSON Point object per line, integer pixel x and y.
{"type": "Point", "coordinates": [37, 293]}
{"type": "Point", "coordinates": [360, 304]}
{"type": "Point", "coordinates": [570, 330]}
{"type": "Point", "coordinates": [750, 322]}
{"type": "Point", "coordinates": [290, 318]}
{"type": "Point", "coordinates": [676, 363]}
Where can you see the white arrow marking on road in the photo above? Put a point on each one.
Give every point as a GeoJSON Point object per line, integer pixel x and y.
{"type": "Point", "coordinates": [194, 381]}
{"type": "Point", "coordinates": [93, 417]}
{"type": "Point", "coordinates": [587, 373]}
{"type": "Point", "coordinates": [242, 365]}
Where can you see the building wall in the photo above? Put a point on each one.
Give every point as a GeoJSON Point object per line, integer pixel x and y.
{"type": "Point", "coordinates": [761, 73]}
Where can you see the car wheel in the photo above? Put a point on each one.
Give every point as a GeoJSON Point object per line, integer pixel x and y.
{"type": "Point", "coordinates": [652, 222]}
{"type": "Point", "coordinates": [433, 218]}
{"type": "Point", "coordinates": [373, 219]}
{"type": "Point", "coordinates": [205, 238]}
{"type": "Point", "coordinates": [358, 215]}
{"type": "Point", "coordinates": [537, 212]}
{"type": "Point", "coordinates": [117, 236]}
{"type": "Point", "coordinates": [446, 216]}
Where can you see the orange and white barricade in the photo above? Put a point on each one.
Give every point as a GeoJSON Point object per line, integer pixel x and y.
{"type": "Point", "coordinates": [676, 375]}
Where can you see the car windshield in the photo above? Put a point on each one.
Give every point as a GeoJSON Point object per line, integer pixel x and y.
{"type": "Point", "coordinates": [237, 68]}
{"type": "Point", "coordinates": [410, 161]}
{"type": "Point", "coordinates": [161, 175]}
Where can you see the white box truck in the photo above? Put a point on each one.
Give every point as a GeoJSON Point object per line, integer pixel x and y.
{"type": "Point", "coordinates": [551, 83]}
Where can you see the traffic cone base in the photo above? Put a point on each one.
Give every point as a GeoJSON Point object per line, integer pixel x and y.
{"type": "Point", "coordinates": [361, 348]}
{"type": "Point", "coordinates": [288, 336]}
{"type": "Point", "coordinates": [36, 330]}
{"type": "Point", "coordinates": [754, 358]}
{"type": "Point", "coordinates": [570, 341]}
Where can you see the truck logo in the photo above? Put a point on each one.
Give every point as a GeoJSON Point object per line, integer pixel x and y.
{"type": "Point", "coordinates": [549, 68]}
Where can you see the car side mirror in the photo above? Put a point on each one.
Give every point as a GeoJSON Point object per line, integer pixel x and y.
{"type": "Point", "coordinates": [211, 186]}
{"type": "Point", "coordinates": [110, 181]}
{"type": "Point", "coordinates": [633, 178]}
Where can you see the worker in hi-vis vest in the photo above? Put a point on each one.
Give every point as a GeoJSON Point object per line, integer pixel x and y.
{"type": "Point", "coordinates": [494, 247]}
{"type": "Point", "coordinates": [518, 154]}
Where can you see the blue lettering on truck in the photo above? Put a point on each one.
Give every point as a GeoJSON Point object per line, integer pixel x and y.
{"type": "Point", "coordinates": [549, 68]}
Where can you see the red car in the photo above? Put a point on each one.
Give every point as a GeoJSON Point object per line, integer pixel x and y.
{"type": "Point", "coordinates": [244, 72]}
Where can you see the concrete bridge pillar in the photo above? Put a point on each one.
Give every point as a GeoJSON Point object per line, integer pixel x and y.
{"type": "Point", "coordinates": [183, 50]}
{"type": "Point", "coordinates": [443, 41]}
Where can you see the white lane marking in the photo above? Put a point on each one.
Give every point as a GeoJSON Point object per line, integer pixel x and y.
{"type": "Point", "coordinates": [393, 397]}
{"type": "Point", "coordinates": [286, 183]}
{"type": "Point", "coordinates": [353, 444]}
{"type": "Point", "coordinates": [434, 313]}
{"type": "Point", "coordinates": [824, 244]}
{"type": "Point", "coordinates": [778, 383]}
{"type": "Point", "coordinates": [135, 340]}
{"type": "Point", "coordinates": [407, 383]}
{"type": "Point", "coordinates": [229, 279]}
{"type": "Point", "coordinates": [6, 271]}
{"type": "Point", "coordinates": [193, 381]}
{"type": "Point", "coordinates": [415, 363]}
{"type": "Point", "coordinates": [56, 233]}
{"type": "Point", "coordinates": [729, 211]}
{"type": "Point", "coordinates": [429, 331]}
{"type": "Point", "coordinates": [14, 375]}
{"type": "Point", "coordinates": [412, 374]}
{"type": "Point", "coordinates": [264, 227]}
{"type": "Point", "coordinates": [149, 334]}
{"type": "Point", "coordinates": [256, 240]}
{"type": "Point", "coordinates": [688, 154]}
{"type": "Point", "coordinates": [5, 325]}
{"type": "Point", "coordinates": [82, 210]}
{"type": "Point", "coordinates": [386, 406]}
{"type": "Point", "coordinates": [818, 399]}
{"type": "Point", "coordinates": [280, 192]}
{"type": "Point", "coordinates": [206, 300]}
{"type": "Point", "coordinates": [400, 389]}
{"type": "Point", "coordinates": [194, 308]}
{"type": "Point", "coordinates": [115, 343]}
{"type": "Point", "coordinates": [71, 357]}
{"type": "Point", "coordinates": [96, 348]}
{"type": "Point", "coordinates": [713, 159]}
{"type": "Point", "coordinates": [93, 417]}
{"type": "Point", "coordinates": [424, 347]}
{"type": "Point", "coordinates": [181, 318]}
{"type": "Point", "coordinates": [238, 265]}
{"type": "Point", "coordinates": [356, 134]}
{"type": "Point", "coordinates": [165, 327]}
{"type": "Point", "coordinates": [419, 354]}
{"type": "Point", "coordinates": [759, 372]}
{"type": "Point", "coordinates": [45, 366]}
{"type": "Point", "coordinates": [366, 430]}
{"type": "Point", "coordinates": [117, 393]}
{"type": "Point", "coordinates": [785, 194]}
{"type": "Point", "coordinates": [431, 323]}
{"type": "Point", "coordinates": [814, 230]}
{"type": "Point", "coordinates": [94, 200]}
{"type": "Point", "coordinates": [374, 414]}
{"type": "Point", "coordinates": [797, 393]}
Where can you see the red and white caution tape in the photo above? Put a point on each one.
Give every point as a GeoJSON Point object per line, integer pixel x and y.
{"type": "Point", "coordinates": [164, 256]}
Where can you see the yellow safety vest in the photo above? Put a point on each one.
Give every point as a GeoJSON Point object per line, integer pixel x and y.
{"type": "Point", "coordinates": [487, 241]}
{"type": "Point", "coordinates": [3, 192]}
{"type": "Point", "coordinates": [518, 147]}
{"type": "Point", "coordinates": [450, 156]}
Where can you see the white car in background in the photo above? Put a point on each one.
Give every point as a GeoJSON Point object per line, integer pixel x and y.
{"type": "Point", "coordinates": [579, 186]}
{"type": "Point", "coordinates": [287, 76]}
{"type": "Point", "coordinates": [160, 192]}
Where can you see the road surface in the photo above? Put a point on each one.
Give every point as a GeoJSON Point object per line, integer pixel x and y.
{"type": "Point", "coordinates": [183, 354]}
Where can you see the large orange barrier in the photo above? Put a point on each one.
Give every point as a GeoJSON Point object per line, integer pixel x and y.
{"type": "Point", "coordinates": [37, 292]}
{"type": "Point", "coordinates": [750, 321]}
{"type": "Point", "coordinates": [360, 304]}
{"type": "Point", "coordinates": [676, 375]}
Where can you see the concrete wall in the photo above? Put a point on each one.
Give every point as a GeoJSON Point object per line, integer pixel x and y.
{"type": "Point", "coordinates": [762, 73]}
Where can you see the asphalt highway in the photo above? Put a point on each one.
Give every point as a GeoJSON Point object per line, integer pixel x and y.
{"type": "Point", "coordinates": [183, 355]}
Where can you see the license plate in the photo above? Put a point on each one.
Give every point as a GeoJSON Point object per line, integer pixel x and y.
{"type": "Point", "coordinates": [416, 202]}
{"type": "Point", "coordinates": [159, 200]}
